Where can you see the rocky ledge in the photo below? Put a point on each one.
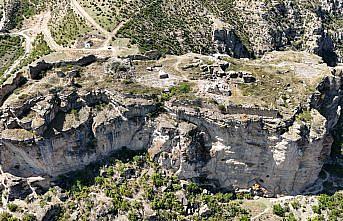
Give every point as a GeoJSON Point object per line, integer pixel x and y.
{"type": "Point", "coordinates": [74, 115]}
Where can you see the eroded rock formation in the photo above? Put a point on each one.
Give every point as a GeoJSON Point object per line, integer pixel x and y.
{"type": "Point", "coordinates": [63, 128]}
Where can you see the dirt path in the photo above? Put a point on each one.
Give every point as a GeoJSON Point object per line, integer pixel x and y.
{"type": "Point", "coordinates": [82, 12]}
{"type": "Point", "coordinates": [79, 10]}
{"type": "Point", "coordinates": [43, 25]}
{"type": "Point", "coordinates": [113, 33]}
{"type": "Point", "coordinates": [267, 210]}
{"type": "Point", "coordinates": [27, 51]}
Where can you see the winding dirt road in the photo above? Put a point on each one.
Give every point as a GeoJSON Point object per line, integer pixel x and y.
{"type": "Point", "coordinates": [82, 12]}
{"type": "Point", "coordinates": [27, 51]}
{"type": "Point", "coordinates": [41, 26]}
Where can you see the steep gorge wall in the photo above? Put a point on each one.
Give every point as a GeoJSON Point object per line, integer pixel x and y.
{"type": "Point", "coordinates": [72, 130]}
{"type": "Point", "coordinates": [64, 148]}
{"type": "Point", "coordinates": [237, 154]}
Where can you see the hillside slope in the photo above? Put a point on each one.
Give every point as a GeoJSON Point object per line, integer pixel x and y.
{"type": "Point", "coordinates": [238, 28]}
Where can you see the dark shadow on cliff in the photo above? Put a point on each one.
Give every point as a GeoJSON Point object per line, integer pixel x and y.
{"type": "Point", "coordinates": [331, 177]}
{"type": "Point", "coordinates": [334, 165]}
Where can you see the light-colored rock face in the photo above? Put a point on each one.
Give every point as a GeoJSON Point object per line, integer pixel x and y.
{"type": "Point", "coordinates": [74, 140]}
{"type": "Point", "coordinates": [239, 153]}
{"type": "Point", "coordinates": [63, 129]}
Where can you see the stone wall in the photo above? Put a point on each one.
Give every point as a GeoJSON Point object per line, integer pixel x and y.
{"type": "Point", "coordinates": [252, 111]}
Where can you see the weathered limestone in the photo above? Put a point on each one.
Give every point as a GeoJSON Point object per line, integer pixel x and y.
{"type": "Point", "coordinates": [233, 153]}
{"type": "Point", "coordinates": [37, 70]}
{"type": "Point", "coordinates": [66, 128]}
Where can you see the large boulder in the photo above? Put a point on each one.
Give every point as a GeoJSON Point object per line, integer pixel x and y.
{"type": "Point", "coordinates": [18, 189]}
{"type": "Point", "coordinates": [86, 60]}
{"type": "Point", "coordinates": [36, 72]}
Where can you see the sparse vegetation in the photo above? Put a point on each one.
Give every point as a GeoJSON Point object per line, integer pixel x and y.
{"type": "Point", "coordinates": [10, 50]}
{"type": "Point", "coordinates": [305, 116]}
{"type": "Point", "coordinates": [29, 217]}
{"type": "Point", "coordinates": [5, 216]}
{"type": "Point", "coordinates": [181, 89]}
{"type": "Point", "coordinates": [12, 207]}
{"type": "Point", "coordinates": [279, 210]}
{"type": "Point", "coordinates": [69, 28]}
{"type": "Point", "coordinates": [109, 13]}
{"type": "Point", "coordinates": [39, 49]}
{"type": "Point", "coordinates": [157, 27]}
{"type": "Point", "coordinates": [155, 189]}
{"type": "Point", "coordinates": [24, 9]}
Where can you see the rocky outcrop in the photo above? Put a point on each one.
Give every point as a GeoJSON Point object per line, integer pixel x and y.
{"type": "Point", "coordinates": [260, 27]}
{"type": "Point", "coordinates": [65, 128]}
{"type": "Point", "coordinates": [37, 70]}
{"type": "Point", "coordinates": [149, 55]}
{"type": "Point", "coordinates": [10, 85]}
{"type": "Point", "coordinates": [76, 132]}
{"type": "Point", "coordinates": [326, 49]}
{"type": "Point", "coordinates": [233, 153]}
{"type": "Point", "coordinates": [227, 42]}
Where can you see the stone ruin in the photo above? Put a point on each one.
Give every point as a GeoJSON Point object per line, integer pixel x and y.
{"type": "Point", "coordinates": [120, 68]}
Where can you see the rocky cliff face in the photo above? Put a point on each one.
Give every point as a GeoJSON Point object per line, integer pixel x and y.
{"type": "Point", "coordinates": [282, 25]}
{"type": "Point", "coordinates": [64, 127]}
{"type": "Point", "coordinates": [232, 153]}
{"type": "Point", "coordinates": [74, 135]}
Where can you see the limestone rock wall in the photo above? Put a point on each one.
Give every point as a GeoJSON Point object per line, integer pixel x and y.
{"type": "Point", "coordinates": [71, 129]}
{"type": "Point", "coordinates": [237, 153]}
{"type": "Point", "coordinates": [70, 140]}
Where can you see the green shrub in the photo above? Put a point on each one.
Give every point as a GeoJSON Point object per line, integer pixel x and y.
{"type": "Point", "coordinates": [193, 188]}
{"type": "Point", "coordinates": [305, 116]}
{"type": "Point", "coordinates": [295, 204]}
{"type": "Point", "coordinates": [244, 218]}
{"type": "Point", "coordinates": [291, 217]}
{"type": "Point", "coordinates": [222, 108]}
{"type": "Point", "coordinates": [316, 209]}
{"type": "Point", "coordinates": [12, 207]}
{"type": "Point", "coordinates": [5, 216]}
{"type": "Point", "coordinates": [29, 217]}
{"type": "Point", "coordinates": [184, 88]}
{"type": "Point", "coordinates": [278, 210]}
{"type": "Point", "coordinates": [157, 179]}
